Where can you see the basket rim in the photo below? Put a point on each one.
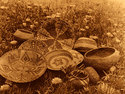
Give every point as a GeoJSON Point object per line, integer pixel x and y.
{"type": "Point", "coordinates": [85, 55]}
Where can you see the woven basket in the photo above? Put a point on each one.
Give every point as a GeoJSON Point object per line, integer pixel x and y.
{"type": "Point", "coordinates": [84, 44]}
{"type": "Point", "coordinates": [22, 66]}
{"type": "Point", "coordinates": [58, 59]}
{"type": "Point", "coordinates": [102, 58]}
{"type": "Point", "coordinates": [23, 34]}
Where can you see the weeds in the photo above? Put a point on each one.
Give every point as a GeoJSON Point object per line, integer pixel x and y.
{"type": "Point", "coordinates": [100, 19]}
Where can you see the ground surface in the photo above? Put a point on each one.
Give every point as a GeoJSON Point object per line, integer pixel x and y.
{"type": "Point", "coordinates": [43, 85]}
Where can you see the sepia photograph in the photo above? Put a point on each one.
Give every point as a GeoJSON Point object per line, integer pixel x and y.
{"type": "Point", "coordinates": [62, 46]}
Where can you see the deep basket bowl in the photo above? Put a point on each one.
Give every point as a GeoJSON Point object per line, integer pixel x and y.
{"type": "Point", "coordinates": [102, 58]}
{"type": "Point", "coordinates": [85, 44]}
{"type": "Point", "coordinates": [23, 34]}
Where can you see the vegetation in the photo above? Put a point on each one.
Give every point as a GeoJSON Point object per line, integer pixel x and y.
{"type": "Point", "coordinates": [101, 21]}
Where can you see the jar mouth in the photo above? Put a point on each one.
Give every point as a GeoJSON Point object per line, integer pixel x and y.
{"type": "Point", "coordinates": [100, 52]}
{"type": "Point", "coordinates": [25, 31]}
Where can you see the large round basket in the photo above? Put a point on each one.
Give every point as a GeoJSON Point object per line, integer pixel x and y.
{"type": "Point", "coordinates": [22, 66]}
{"type": "Point", "coordinates": [102, 58]}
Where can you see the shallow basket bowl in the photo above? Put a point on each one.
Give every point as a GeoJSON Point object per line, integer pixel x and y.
{"type": "Point", "coordinates": [22, 66]}
{"type": "Point", "coordinates": [102, 58]}
{"type": "Point", "coordinates": [58, 59]}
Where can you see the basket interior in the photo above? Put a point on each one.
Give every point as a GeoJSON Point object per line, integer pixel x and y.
{"type": "Point", "coordinates": [101, 52]}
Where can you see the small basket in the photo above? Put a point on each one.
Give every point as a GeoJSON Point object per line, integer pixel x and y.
{"type": "Point", "coordinates": [23, 34]}
{"type": "Point", "coordinates": [81, 75]}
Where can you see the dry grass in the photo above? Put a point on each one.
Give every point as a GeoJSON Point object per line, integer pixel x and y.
{"type": "Point", "coordinates": [86, 18]}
